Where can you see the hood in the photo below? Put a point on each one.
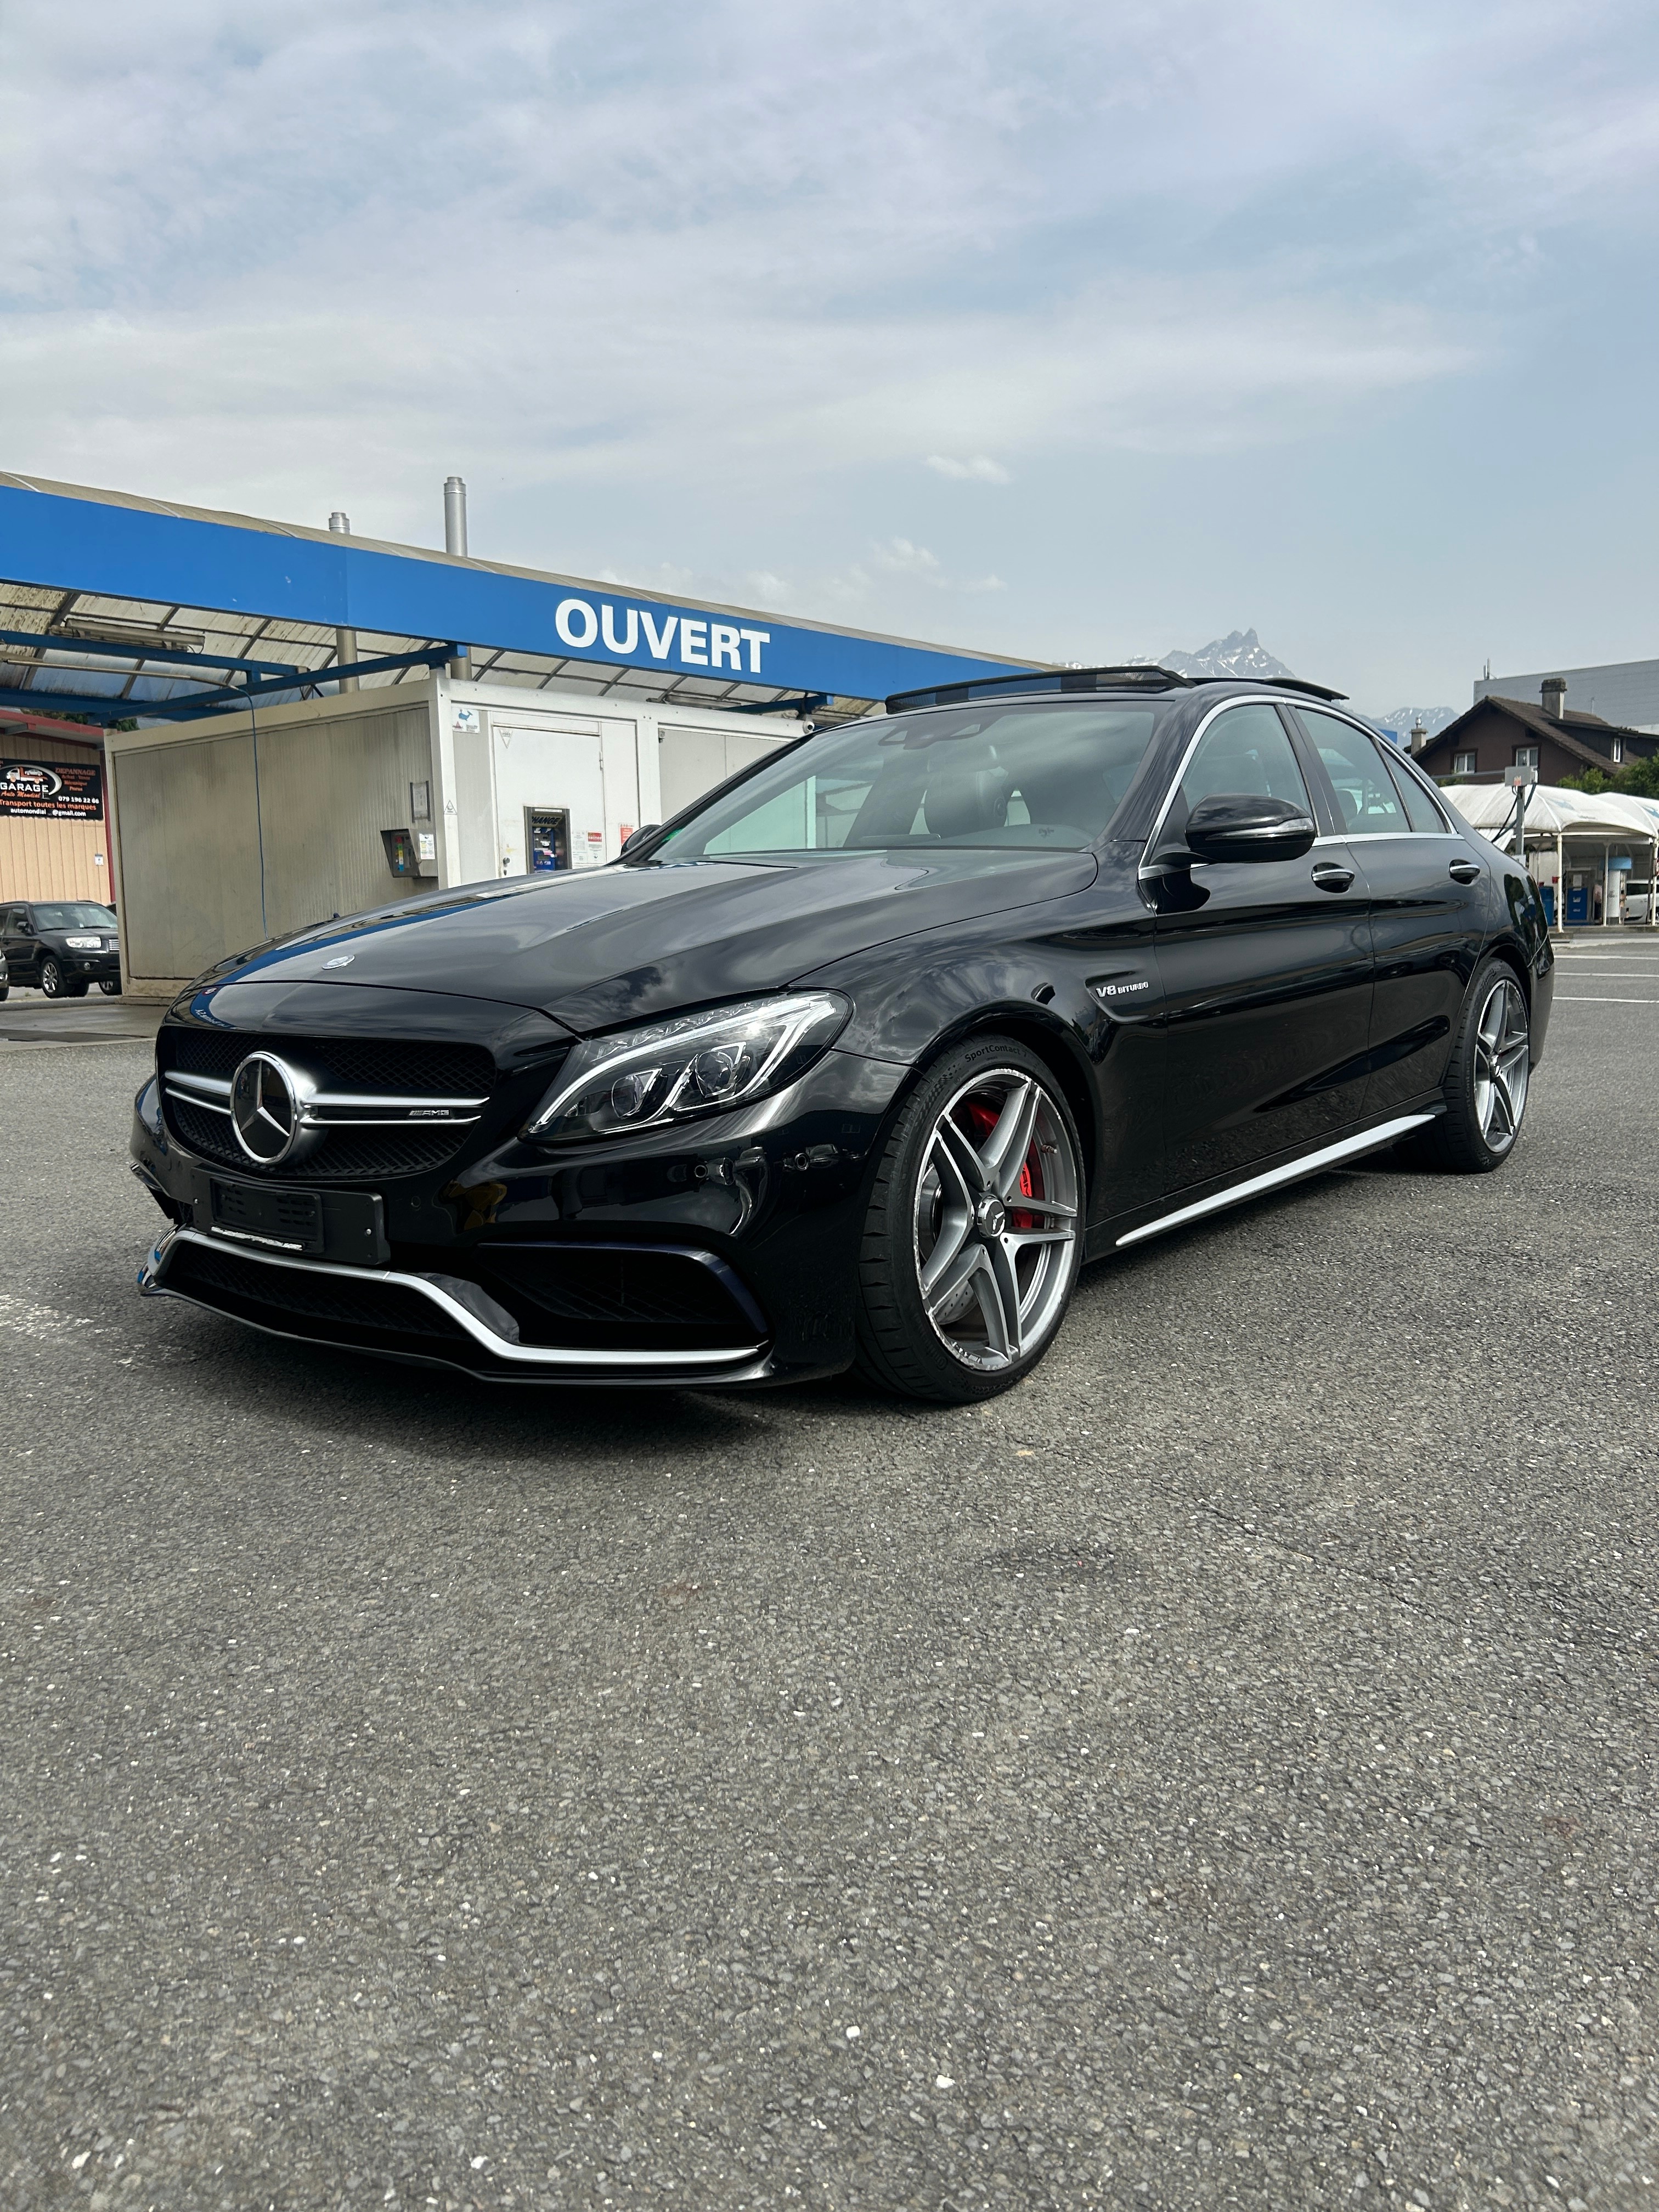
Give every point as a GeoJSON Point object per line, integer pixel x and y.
{"type": "Point", "coordinates": [608, 946]}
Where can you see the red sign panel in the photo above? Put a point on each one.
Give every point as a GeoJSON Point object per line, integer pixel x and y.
{"type": "Point", "coordinates": [52, 790]}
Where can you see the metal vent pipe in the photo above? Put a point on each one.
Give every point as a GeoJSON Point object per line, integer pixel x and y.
{"type": "Point", "coordinates": [455, 541]}
{"type": "Point", "coordinates": [455, 515]}
{"type": "Point", "coordinates": [345, 641]}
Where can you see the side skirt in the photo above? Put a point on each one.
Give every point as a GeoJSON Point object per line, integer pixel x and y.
{"type": "Point", "coordinates": [1308, 1163]}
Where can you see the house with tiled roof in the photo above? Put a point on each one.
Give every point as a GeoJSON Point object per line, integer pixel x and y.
{"type": "Point", "coordinates": [1551, 737]}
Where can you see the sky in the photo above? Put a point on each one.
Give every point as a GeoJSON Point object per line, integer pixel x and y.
{"type": "Point", "coordinates": [1080, 330]}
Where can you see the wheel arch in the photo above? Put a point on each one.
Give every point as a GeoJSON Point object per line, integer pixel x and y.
{"type": "Point", "coordinates": [1046, 1038]}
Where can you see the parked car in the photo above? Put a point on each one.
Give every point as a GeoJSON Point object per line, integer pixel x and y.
{"type": "Point", "coordinates": [1638, 892]}
{"type": "Point", "coordinates": [862, 1056]}
{"type": "Point", "coordinates": [61, 945]}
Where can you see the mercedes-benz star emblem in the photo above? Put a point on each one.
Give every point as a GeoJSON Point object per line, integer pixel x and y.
{"type": "Point", "coordinates": [264, 1108]}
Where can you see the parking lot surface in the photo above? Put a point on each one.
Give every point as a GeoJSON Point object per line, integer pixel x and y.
{"type": "Point", "coordinates": [1220, 1773]}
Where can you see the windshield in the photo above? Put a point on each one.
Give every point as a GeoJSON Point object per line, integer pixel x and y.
{"type": "Point", "coordinates": [79, 916]}
{"type": "Point", "coordinates": [1017, 775]}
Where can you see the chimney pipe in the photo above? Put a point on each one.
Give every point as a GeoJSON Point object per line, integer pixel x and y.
{"type": "Point", "coordinates": [1420, 736]}
{"type": "Point", "coordinates": [455, 542]}
{"type": "Point", "coordinates": [455, 515]}
{"type": "Point", "coordinates": [1554, 693]}
{"type": "Point", "coordinates": [345, 641]}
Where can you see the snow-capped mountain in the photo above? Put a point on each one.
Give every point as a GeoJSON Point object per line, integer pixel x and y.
{"type": "Point", "coordinates": [1241, 653]}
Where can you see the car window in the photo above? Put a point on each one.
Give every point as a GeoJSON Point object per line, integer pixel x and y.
{"type": "Point", "coordinates": [1420, 810]}
{"type": "Point", "coordinates": [1246, 750]}
{"type": "Point", "coordinates": [1366, 800]}
{"type": "Point", "coordinates": [1043, 776]}
{"type": "Point", "coordinates": [80, 915]}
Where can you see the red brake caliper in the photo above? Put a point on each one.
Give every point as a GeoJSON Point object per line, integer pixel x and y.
{"type": "Point", "coordinates": [984, 1120]}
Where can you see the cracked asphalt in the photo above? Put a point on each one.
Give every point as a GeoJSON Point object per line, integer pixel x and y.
{"type": "Point", "coordinates": [1221, 1772]}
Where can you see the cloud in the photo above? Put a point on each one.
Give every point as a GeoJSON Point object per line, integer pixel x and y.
{"type": "Point", "coordinates": [308, 254]}
{"type": "Point", "coordinates": [981, 469]}
{"type": "Point", "coordinates": [287, 260]}
{"type": "Point", "coordinates": [900, 557]}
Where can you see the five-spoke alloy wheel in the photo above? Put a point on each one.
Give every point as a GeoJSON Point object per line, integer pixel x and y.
{"type": "Point", "coordinates": [1503, 1062]}
{"type": "Point", "coordinates": [974, 1233]}
{"type": "Point", "coordinates": [1486, 1078]}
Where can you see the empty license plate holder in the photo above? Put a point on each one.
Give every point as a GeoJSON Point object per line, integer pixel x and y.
{"type": "Point", "coordinates": [279, 1220]}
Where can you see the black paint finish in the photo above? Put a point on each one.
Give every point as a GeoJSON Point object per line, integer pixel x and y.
{"type": "Point", "coordinates": [1203, 1019]}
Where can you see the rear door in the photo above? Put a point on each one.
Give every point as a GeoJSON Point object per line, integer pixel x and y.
{"type": "Point", "coordinates": [1431, 891]}
{"type": "Point", "coordinates": [1266, 967]}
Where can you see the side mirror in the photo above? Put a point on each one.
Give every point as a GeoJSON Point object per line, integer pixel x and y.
{"type": "Point", "coordinates": [1233, 825]}
{"type": "Point", "coordinates": [645, 830]}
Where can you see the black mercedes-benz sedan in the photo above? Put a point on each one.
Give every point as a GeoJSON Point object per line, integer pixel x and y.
{"type": "Point", "coordinates": [860, 1058]}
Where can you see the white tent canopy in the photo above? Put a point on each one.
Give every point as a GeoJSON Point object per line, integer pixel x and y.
{"type": "Point", "coordinates": [1557, 818]}
{"type": "Point", "coordinates": [1552, 812]}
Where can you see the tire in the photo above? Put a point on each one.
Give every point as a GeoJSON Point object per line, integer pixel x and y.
{"type": "Point", "coordinates": [5, 993]}
{"type": "Point", "coordinates": [1486, 1080]}
{"type": "Point", "coordinates": [974, 1236]}
{"type": "Point", "coordinates": [110, 986]}
{"type": "Point", "coordinates": [57, 985]}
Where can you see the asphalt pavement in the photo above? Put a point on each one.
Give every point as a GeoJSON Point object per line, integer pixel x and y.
{"type": "Point", "coordinates": [1221, 1772]}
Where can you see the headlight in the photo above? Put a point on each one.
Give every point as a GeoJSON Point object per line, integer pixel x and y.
{"type": "Point", "coordinates": [84, 944]}
{"type": "Point", "coordinates": [695, 1064]}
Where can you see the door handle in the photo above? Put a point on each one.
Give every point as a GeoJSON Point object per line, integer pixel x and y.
{"type": "Point", "coordinates": [1331, 877]}
{"type": "Point", "coordinates": [1466, 872]}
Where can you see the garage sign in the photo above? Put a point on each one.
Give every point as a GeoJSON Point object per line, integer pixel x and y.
{"type": "Point", "coordinates": [52, 790]}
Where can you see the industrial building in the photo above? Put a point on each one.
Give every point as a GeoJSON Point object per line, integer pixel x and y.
{"type": "Point", "coordinates": [325, 720]}
{"type": "Point", "coordinates": [1622, 692]}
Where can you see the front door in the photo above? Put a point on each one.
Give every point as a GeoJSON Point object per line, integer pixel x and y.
{"type": "Point", "coordinates": [542, 772]}
{"type": "Point", "coordinates": [1266, 967]}
{"type": "Point", "coordinates": [1431, 893]}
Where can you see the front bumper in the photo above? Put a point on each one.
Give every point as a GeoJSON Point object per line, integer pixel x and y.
{"type": "Point", "coordinates": [720, 1253]}
{"type": "Point", "coordinates": [436, 1319]}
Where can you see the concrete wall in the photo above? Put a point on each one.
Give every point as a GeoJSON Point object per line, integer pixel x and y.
{"type": "Point", "coordinates": [206, 864]}
{"type": "Point", "coordinates": [191, 820]}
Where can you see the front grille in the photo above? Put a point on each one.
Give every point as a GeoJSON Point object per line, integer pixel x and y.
{"type": "Point", "coordinates": [305, 1303]}
{"type": "Point", "coordinates": [375, 1064]}
{"type": "Point", "coordinates": [385, 1067]}
{"type": "Point", "coordinates": [344, 1156]}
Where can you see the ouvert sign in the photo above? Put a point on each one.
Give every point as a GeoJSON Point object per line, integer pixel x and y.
{"type": "Point", "coordinates": [68, 537]}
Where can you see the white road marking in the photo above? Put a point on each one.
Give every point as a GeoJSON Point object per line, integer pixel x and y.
{"type": "Point", "coordinates": [24, 1318]}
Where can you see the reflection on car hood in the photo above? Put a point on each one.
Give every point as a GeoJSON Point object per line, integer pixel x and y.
{"type": "Point", "coordinates": [597, 948]}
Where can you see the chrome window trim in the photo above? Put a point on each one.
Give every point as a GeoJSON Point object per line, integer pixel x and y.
{"type": "Point", "coordinates": [153, 1278]}
{"type": "Point", "coordinates": [1221, 707]}
{"type": "Point", "coordinates": [1423, 783]}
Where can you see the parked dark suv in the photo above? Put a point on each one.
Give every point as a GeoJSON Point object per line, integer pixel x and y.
{"type": "Point", "coordinates": [60, 946]}
{"type": "Point", "coordinates": [860, 1056]}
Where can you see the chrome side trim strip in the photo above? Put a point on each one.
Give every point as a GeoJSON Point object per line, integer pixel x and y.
{"type": "Point", "coordinates": [526, 1355]}
{"type": "Point", "coordinates": [209, 1087]}
{"type": "Point", "coordinates": [1368, 1140]}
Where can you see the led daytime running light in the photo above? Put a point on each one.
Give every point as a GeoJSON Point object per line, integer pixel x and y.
{"type": "Point", "coordinates": [696, 1064]}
